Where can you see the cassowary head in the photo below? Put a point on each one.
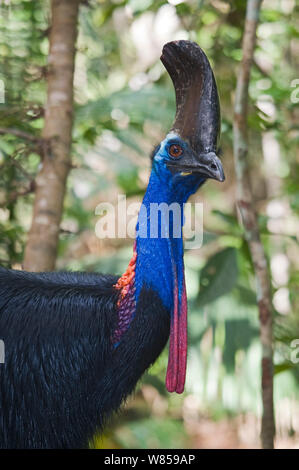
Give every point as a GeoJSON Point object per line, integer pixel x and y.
{"type": "Point", "coordinates": [188, 154]}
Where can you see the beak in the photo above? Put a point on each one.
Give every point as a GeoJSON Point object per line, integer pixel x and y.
{"type": "Point", "coordinates": [206, 164]}
{"type": "Point", "coordinates": [210, 166]}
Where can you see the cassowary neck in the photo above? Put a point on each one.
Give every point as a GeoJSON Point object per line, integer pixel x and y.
{"type": "Point", "coordinates": [157, 264]}
{"type": "Point", "coordinates": [158, 248]}
{"type": "Point", "coordinates": [157, 261]}
{"type": "Point", "coordinates": [159, 243]}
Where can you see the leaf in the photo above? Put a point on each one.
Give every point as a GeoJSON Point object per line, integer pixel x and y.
{"type": "Point", "coordinates": [245, 296]}
{"type": "Point", "coordinates": [209, 237]}
{"type": "Point", "coordinates": [90, 134]}
{"type": "Point", "coordinates": [228, 218]}
{"type": "Point", "coordinates": [128, 182]}
{"type": "Point", "coordinates": [238, 336]}
{"type": "Point", "coordinates": [138, 6]}
{"type": "Point", "coordinates": [278, 368]}
{"type": "Point", "coordinates": [231, 221]}
{"type": "Point", "coordinates": [218, 276]}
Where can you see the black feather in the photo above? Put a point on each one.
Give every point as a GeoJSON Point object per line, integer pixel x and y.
{"type": "Point", "coordinates": [62, 378]}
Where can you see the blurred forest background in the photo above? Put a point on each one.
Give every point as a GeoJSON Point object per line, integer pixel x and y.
{"type": "Point", "coordinates": [124, 103]}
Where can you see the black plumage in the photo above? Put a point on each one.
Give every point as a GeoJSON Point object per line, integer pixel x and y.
{"type": "Point", "coordinates": [62, 377]}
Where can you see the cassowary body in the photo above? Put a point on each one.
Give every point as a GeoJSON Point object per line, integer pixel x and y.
{"type": "Point", "coordinates": [76, 344]}
{"type": "Point", "coordinates": [62, 376]}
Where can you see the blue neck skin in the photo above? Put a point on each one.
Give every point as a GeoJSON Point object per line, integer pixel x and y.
{"type": "Point", "coordinates": [160, 259]}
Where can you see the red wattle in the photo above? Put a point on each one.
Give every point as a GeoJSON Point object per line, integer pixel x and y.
{"type": "Point", "coordinates": [177, 358]}
{"type": "Point", "coordinates": [183, 340]}
{"type": "Point", "coordinates": [172, 368]}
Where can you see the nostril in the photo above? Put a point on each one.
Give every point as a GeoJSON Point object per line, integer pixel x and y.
{"type": "Point", "coordinates": [213, 166]}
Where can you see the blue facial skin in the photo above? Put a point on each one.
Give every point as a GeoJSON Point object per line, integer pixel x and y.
{"type": "Point", "coordinates": [160, 259]}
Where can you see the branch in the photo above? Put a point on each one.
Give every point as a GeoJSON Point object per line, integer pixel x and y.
{"type": "Point", "coordinates": [260, 69]}
{"type": "Point", "coordinates": [14, 195]}
{"type": "Point", "coordinates": [22, 170]}
{"type": "Point", "coordinates": [42, 243]}
{"type": "Point", "coordinates": [18, 133]}
{"type": "Point", "coordinates": [249, 218]}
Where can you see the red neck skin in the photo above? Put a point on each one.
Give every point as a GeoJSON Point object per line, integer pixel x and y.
{"type": "Point", "coordinates": [177, 358]}
{"type": "Point", "coordinates": [126, 303]}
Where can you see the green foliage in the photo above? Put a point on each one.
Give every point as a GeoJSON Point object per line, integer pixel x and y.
{"type": "Point", "coordinates": [124, 103]}
{"type": "Point", "coordinates": [152, 434]}
{"type": "Point", "coordinates": [218, 276]}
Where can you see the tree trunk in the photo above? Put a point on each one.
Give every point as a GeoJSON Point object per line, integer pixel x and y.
{"type": "Point", "coordinates": [250, 222]}
{"type": "Point", "coordinates": [41, 248]}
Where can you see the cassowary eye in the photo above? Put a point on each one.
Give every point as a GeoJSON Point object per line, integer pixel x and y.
{"type": "Point", "coordinates": [175, 150]}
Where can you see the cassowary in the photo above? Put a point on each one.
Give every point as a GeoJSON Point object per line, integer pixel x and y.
{"type": "Point", "coordinates": [77, 343]}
